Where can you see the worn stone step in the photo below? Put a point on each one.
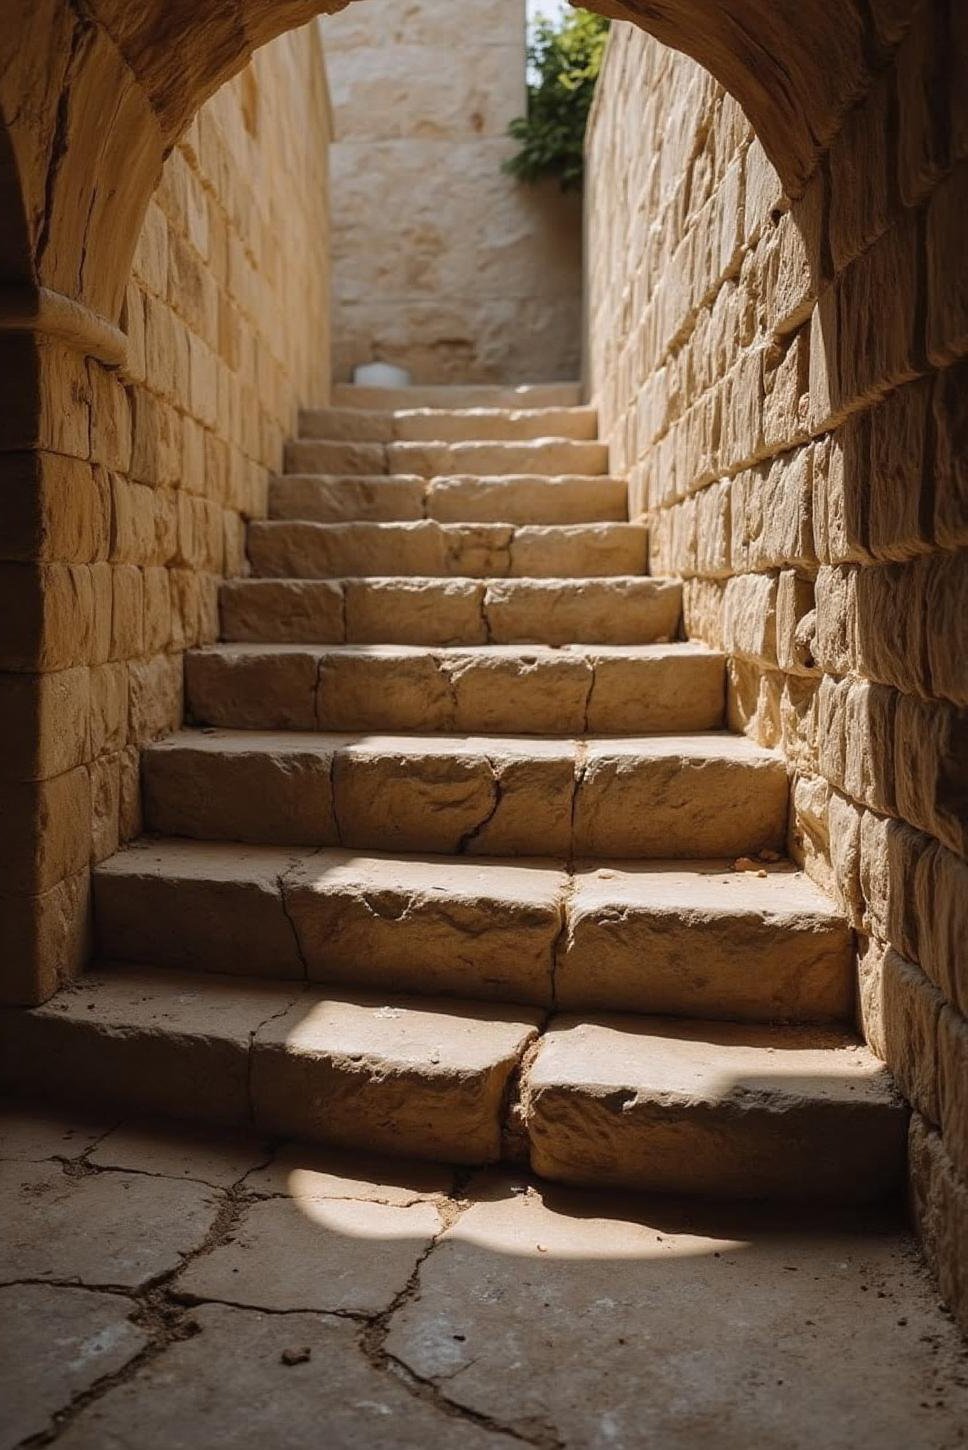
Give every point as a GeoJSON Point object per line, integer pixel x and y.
{"type": "Point", "coordinates": [422, 1079]}
{"type": "Point", "coordinates": [689, 796]}
{"type": "Point", "coordinates": [429, 925]}
{"type": "Point", "coordinates": [524, 690]}
{"type": "Point", "coordinates": [713, 1109]}
{"type": "Point", "coordinates": [449, 425]}
{"type": "Point", "coordinates": [702, 940]}
{"type": "Point", "coordinates": [458, 395]}
{"type": "Point", "coordinates": [434, 458]}
{"type": "Point", "coordinates": [515, 499]}
{"type": "Point", "coordinates": [432, 611]}
{"type": "Point", "coordinates": [281, 549]}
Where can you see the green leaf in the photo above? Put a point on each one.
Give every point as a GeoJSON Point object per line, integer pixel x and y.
{"type": "Point", "coordinates": [565, 62]}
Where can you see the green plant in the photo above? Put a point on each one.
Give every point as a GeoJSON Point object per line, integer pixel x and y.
{"type": "Point", "coordinates": [563, 65]}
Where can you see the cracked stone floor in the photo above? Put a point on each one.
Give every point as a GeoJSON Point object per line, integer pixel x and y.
{"type": "Point", "coordinates": [160, 1291]}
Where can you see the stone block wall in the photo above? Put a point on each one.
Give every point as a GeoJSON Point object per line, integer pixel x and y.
{"type": "Point", "coordinates": [785, 384]}
{"type": "Point", "coordinates": [441, 263]}
{"type": "Point", "coordinates": [126, 489]}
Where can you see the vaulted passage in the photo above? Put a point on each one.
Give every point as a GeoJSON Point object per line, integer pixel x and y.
{"type": "Point", "coordinates": [545, 788]}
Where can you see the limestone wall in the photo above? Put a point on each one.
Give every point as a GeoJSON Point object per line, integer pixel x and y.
{"type": "Point", "coordinates": [782, 383]}
{"type": "Point", "coordinates": [126, 491]}
{"type": "Point", "coordinates": [441, 263]}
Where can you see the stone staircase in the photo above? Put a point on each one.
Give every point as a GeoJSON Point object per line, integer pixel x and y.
{"type": "Point", "coordinates": [456, 860]}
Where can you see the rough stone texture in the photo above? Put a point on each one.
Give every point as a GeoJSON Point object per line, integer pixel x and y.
{"type": "Point", "coordinates": [420, 1079]}
{"type": "Point", "coordinates": [233, 1374]}
{"type": "Point", "coordinates": [199, 907]}
{"type": "Point", "coordinates": [58, 1242]}
{"type": "Point", "coordinates": [513, 499]}
{"type": "Point", "coordinates": [158, 1042]}
{"type": "Point", "coordinates": [446, 926]}
{"type": "Point", "coordinates": [763, 368]}
{"type": "Point", "coordinates": [676, 1107]}
{"type": "Point", "coordinates": [495, 688]}
{"type": "Point", "coordinates": [441, 263]}
{"type": "Point", "coordinates": [612, 1322]}
{"type": "Point", "coordinates": [695, 795]}
{"type": "Point", "coordinates": [319, 1256]}
{"type": "Point", "coordinates": [125, 489]}
{"type": "Point", "coordinates": [428, 611]}
{"type": "Point", "coordinates": [705, 942]}
{"type": "Point", "coordinates": [536, 1312]}
{"type": "Point", "coordinates": [66, 1339]}
{"type": "Point", "coordinates": [687, 796]}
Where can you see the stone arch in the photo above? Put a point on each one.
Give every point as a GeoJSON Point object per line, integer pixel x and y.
{"type": "Point", "coordinates": [94, 98]}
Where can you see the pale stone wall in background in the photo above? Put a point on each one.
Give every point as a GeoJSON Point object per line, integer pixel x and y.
{"type": "Point", "coordinates": [782, 385]}
{"type": "Point", "coordinates": [129, 498]}
{"type": "Point", "coordinates": [441, 263]}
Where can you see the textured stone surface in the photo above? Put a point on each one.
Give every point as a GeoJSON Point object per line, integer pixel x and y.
{"type": "Point", "coordinates": [704, 942]}
{"type": "Point", "coordinates": [442, 263]}
{"type": "Point", "coordinates": [315, 1254]}
{"type": "Point", "coordinates": [233, 1374]}
{"type": "Point", "coordinates": [155, 1042]}
{"type": "Point", "coordinates": [67, 1339]}
{"type": "Point", "coordinates": [610, 1321]}
{"type": "Point", "coordinates": [58, 1242]}
{"type": "Point", "coordinates": [495, 688]}
{"type": "Point", "coordinates": [197, 906]}
{"type": "Point", "coordinates": [286, 549]}
{"type": "Point", "coordinates": [436, 925]}
{"type": "Point", "coordinates": [705, 795]}
{"type": "Point", "coordinates": [451, 611]}
{"type": "Point", "coordinates": [420, 1079]}
{"type": "Point", "coordinates": [693, 1107]}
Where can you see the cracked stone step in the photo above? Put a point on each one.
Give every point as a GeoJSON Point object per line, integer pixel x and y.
{"type": "Point", "coordinates": [721, 1110]}
{"type": "Point", "coordinates": [433, 458]}
{"type": "Point", "coordinates": [484, 688]}
{"type": "Point", "coordinates": [705, 795]}
{"type": "Point", "coordinates": [289, 549]}
{"type": "Point", "coordinates": [429, 611]}
{"type": "Point", "coordinates": [448, 425]}
{"type": "Point", "coordinates": [458, 395]}
{"type": "Point", "coordinates": [336, 498]}
{"type": "Point", "coordinates": [431, 926]}
{"type": "Point", "coordinates": [522, 499]}
{"type": "Point", "coordinates": [419, 1079]}
{"type": "Point", "coordinates": [703, 941]}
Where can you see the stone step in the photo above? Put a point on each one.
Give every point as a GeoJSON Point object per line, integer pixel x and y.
{"type": "Point", "coordinates": [434, 458]}
{"type": "Point", "coordinates": [515, 499]}
{"type": "Point", "coordinates": [458, 395]}
{"type": "Point", "coordinates": [282, 549]}
{"type": "Point", "coordinates": [699, 940]}
{"type": "Point", "coordinates": [421, 1078]}
{"type": "Point", "coordinates": [713, 1109]}
{"type": "Point", "coordinates": [491, 689]}
{"type": "Point", "coordinates": [447, 425]}
{"type": "Point", "coordinates": [618, 610]}
{"type": "Point", "coordinates": [650, 796]}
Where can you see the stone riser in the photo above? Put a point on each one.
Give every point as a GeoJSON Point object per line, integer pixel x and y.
{"type": "Point", "coordinates": [457, 395]}
{"type": "Point", "coordinates": [447, 425]}
{"type": "Point", "coordinates": [422, 611]}
{"type": "Point", "coordinates": [434, 459]}
{"type": "Point", "coordinates": [298, 550]}
{"type": "Point", "coordinates": [342, 498]}
{"type": "Point", "coordinates": [640, 1103]}
{"type": "Point", "coordinates": [491, 690]}
{"type": "Point", "coordinates": [706, 942]}
{"type": "Point", "coordinates": [647, 796]}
